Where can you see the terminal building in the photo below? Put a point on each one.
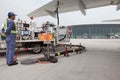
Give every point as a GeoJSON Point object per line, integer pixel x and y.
{"type": "Point", "coordinates": [96, 31]}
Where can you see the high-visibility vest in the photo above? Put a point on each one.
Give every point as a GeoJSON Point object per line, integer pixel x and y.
{"type": "Point", "coordinates": [13, 31]}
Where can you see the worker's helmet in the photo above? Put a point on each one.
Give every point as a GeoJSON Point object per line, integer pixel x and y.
{"type": "Point", "coordinates": [11, 14]}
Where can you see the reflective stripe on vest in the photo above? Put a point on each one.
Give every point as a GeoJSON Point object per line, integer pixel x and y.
{"type": "Point", "coordinates": [13, 32]}
{"type": "Point", "coordinates": [5, 27]}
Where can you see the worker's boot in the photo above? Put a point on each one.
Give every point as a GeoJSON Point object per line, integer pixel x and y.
{"type": "Point", "coordinates": [14, 63]}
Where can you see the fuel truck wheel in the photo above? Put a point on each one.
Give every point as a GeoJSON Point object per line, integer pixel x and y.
{"type": "Point", "coordinates": [36, 49]}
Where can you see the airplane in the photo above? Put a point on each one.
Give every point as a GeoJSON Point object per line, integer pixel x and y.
{"type": "Point", "coordinates": [55, 7]}
{"type": "Point", "coordinates": [63, 6]}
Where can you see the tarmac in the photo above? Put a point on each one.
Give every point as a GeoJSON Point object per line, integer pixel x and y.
{"type": "Point", "coordinates": [101, 61]}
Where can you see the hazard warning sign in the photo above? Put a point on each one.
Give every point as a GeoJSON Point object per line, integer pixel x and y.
{"type": "Point", "coordinates": [45, 37]}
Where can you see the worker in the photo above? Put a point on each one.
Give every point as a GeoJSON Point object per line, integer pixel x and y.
{"type": "Point", "coordinates": [10, 39]}
{"type": "Point", "coordinates": [32, 27]}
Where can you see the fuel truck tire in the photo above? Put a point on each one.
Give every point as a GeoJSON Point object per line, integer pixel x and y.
{"type": "Point", "coordinates": [36, 49]}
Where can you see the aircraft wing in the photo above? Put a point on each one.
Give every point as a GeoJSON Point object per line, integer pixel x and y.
{"type": "Point", "coordinates": [71, 5]}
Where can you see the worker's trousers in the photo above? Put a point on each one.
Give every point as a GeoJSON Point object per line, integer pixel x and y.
{"type": "Point", "coordinates": [10, 51]}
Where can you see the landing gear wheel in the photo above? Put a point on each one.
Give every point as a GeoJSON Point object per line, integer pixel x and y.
{"type": "Point", "coordinates": [37, 49]}
{"type": "Point", "coordinates": [53, 59]}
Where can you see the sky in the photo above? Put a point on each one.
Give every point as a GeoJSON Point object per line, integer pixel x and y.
{"type": "Point", "coordinates": [23, 7]}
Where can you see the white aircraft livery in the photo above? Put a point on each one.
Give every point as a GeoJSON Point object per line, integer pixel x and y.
{"type": "Point", "coordinates": [71, 5]}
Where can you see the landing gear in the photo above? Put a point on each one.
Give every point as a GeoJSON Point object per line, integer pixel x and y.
{"type": "Point", "coordinates": [51, 59]}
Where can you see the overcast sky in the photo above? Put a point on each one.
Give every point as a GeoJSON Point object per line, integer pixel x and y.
{"type": "Point", "coordinates": [23, 7]}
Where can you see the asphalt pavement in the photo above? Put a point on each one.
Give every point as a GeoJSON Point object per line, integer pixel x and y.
{"type": "Point", "coordinates": [98, 63]}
